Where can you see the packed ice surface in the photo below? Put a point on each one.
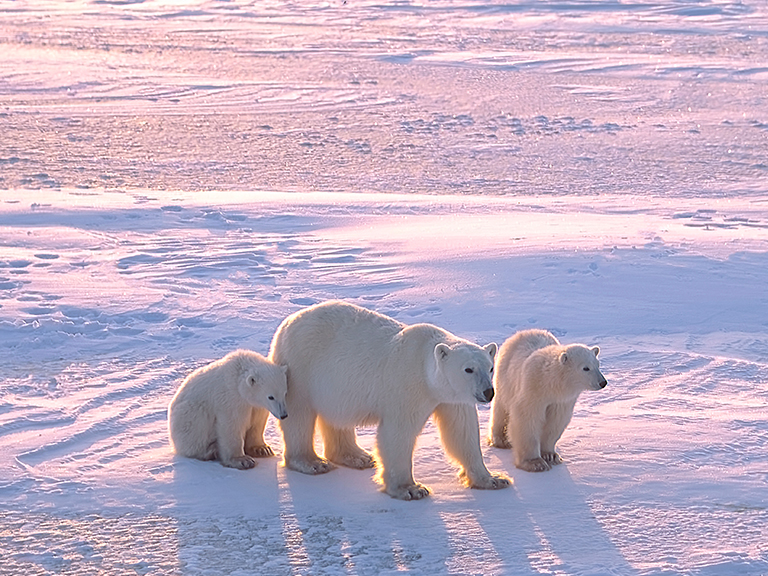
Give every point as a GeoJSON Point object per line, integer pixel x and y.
{"type": "Point", "coordinates": [177, 177]}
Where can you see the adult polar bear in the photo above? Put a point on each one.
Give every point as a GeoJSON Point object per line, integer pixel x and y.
{"type": "Point", "coordinates": [350, 366]}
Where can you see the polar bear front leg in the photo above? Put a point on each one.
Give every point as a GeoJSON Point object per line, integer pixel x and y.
{"type": "Point", "coordinates": [229, 439]}
{"type": "Point", "coordinates": [460, 434]}
{"type": "Point", "coordinates": [255, 446]}
{"type": "Point", "coordinates": [558, 417]}
{"type": "Point", "coordinates": [394, 446]}
{"type": "Point", "coordinates": [525, 430]}
{"type": "Point", "coordinates": [299, 442]}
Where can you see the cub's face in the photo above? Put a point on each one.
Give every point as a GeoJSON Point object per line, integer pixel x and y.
{"type": "Point", "coordinates": [583, 367]}
{"type": "Point", "coordinates": [467, 372]}
{"type": "Point", "coordinates": [266, 386]}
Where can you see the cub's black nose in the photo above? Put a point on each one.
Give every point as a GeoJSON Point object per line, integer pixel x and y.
{"type": "Point", "coordinates": [604, 383]}
{"type": "Point", "coordinates": [488, 394]}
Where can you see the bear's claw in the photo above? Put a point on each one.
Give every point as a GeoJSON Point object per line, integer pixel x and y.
{"type": "Point", "coordinates": [552, 457]}
{"type": "Point", "coordinates": [260, 451]}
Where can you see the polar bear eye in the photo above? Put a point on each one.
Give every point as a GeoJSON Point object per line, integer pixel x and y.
{"type": "Point", "coordinates": [586, 368]}
{"type": "Point", "coordinates": [270, 397]}
{"type": "Point", "coordinates": [468, 370]}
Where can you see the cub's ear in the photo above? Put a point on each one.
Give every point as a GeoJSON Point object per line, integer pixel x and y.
{"type": "Point", "coordinates": [596, 350]}
{"type": "Point", "coordinates": [441, 351]}
{"type": "Point", "coordinates": [491, 349]}
{"type": "Point", "coordinates": [563, 358]}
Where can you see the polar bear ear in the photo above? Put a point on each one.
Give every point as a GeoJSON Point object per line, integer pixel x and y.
{"type": "Point", "coordinates": [563, 358]}
{"type": "Point", "coordinates": [596, 350]}
{"type": "Point", "coordinates": [491, 349]}
{"type": "Point", "coordinates": [441, 351]}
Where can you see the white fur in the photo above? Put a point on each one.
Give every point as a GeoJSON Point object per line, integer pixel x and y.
{"type": "Point", "coordinates": [349, 366]}
{"type": "Point", "coordinates": [220, 410]}
{"type": "Point", "coordinates": [537, 383]}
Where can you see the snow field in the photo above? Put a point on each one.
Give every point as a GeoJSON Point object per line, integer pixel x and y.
{"type": "Point", "coordinates": [663, 469]}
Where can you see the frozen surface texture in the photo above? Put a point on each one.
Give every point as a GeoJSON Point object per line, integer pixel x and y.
{"type": "Point", "coordinates": [177, 177]}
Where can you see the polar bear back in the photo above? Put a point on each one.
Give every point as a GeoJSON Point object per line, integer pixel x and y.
{"type": "Point", "coordinates": [512, 356]}
{"type": "Point", "coordinates": [352, 364]}
{"type": "Point", "coordinates": [213, 383]}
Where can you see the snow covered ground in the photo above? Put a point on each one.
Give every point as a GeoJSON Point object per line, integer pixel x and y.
{"type": "Point", "coordinates": [178, 176]}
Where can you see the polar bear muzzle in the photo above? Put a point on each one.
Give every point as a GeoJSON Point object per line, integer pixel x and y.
{"type": "Point", "coordinates": [485, 396]}
{"type": "Point", "coordinates": [484, 392]}
{"type": "Point", "coordinates": [277, 409]}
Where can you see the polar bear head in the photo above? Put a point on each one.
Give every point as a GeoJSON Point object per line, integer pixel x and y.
{"type": "Point", "coordinates": [264, 384]}
{"type": "Point", "coordinates": [582, 367]}
{"type": "Point", "coordinates": [465, 371]}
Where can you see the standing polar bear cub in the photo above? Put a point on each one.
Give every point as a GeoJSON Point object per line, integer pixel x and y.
{"type": "Point", "coordinates": [220, 410]}
{"type": "Point", "coordinates": [537, 383]}
{"type": "Point", "coordinates": [349, 366]}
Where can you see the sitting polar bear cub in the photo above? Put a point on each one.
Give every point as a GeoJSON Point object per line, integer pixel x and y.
{"type": "Point", "coordinates": [220, 410]}
{"type": "Point", "coordinates": [349, 366]}
{"type": "Point", "coordinates": [537, 383]}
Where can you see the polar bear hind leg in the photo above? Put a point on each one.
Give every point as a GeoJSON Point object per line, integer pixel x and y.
{"type": "Point", "coordinates": [192, 432]}
{"type": "Point", "coordinates": [341, 447]}
{"type": "Point", "coordinates": [499, 418]}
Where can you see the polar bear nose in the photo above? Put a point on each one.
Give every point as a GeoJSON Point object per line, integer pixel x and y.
{"type": "Point", "coordinates": [603, 383]}
{"type": "Point", "coordinates": [488, 393]}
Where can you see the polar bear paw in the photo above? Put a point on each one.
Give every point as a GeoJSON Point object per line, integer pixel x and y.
{"type": "Point", "coordinates": [499, 442]}
{"type": "Point", "coordinates": [489, 482]}
{"type": "Point", "coordinates": [356, 461]}
{"type": "Point", "coordinates": [313, 467]}
{"type": "Point", "coordinates": [240, 462]}
{"type": "Point", "coordinates": [534, 465]}
{"type": "Point", "coordinates": [552, 458]}
{"type": "Point", "coordinates": [413, 492]}
{"type": "Point", "coordinates": [259, 451]}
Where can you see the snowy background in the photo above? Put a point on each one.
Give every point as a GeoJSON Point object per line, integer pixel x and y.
{"type": "Point", "coordinates": [177, 176]}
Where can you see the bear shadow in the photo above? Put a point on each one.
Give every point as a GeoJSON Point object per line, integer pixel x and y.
{"type": "Point", "coordinates": [341, 523]}
{"type": "Point", "coordinates": [557, 526]}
